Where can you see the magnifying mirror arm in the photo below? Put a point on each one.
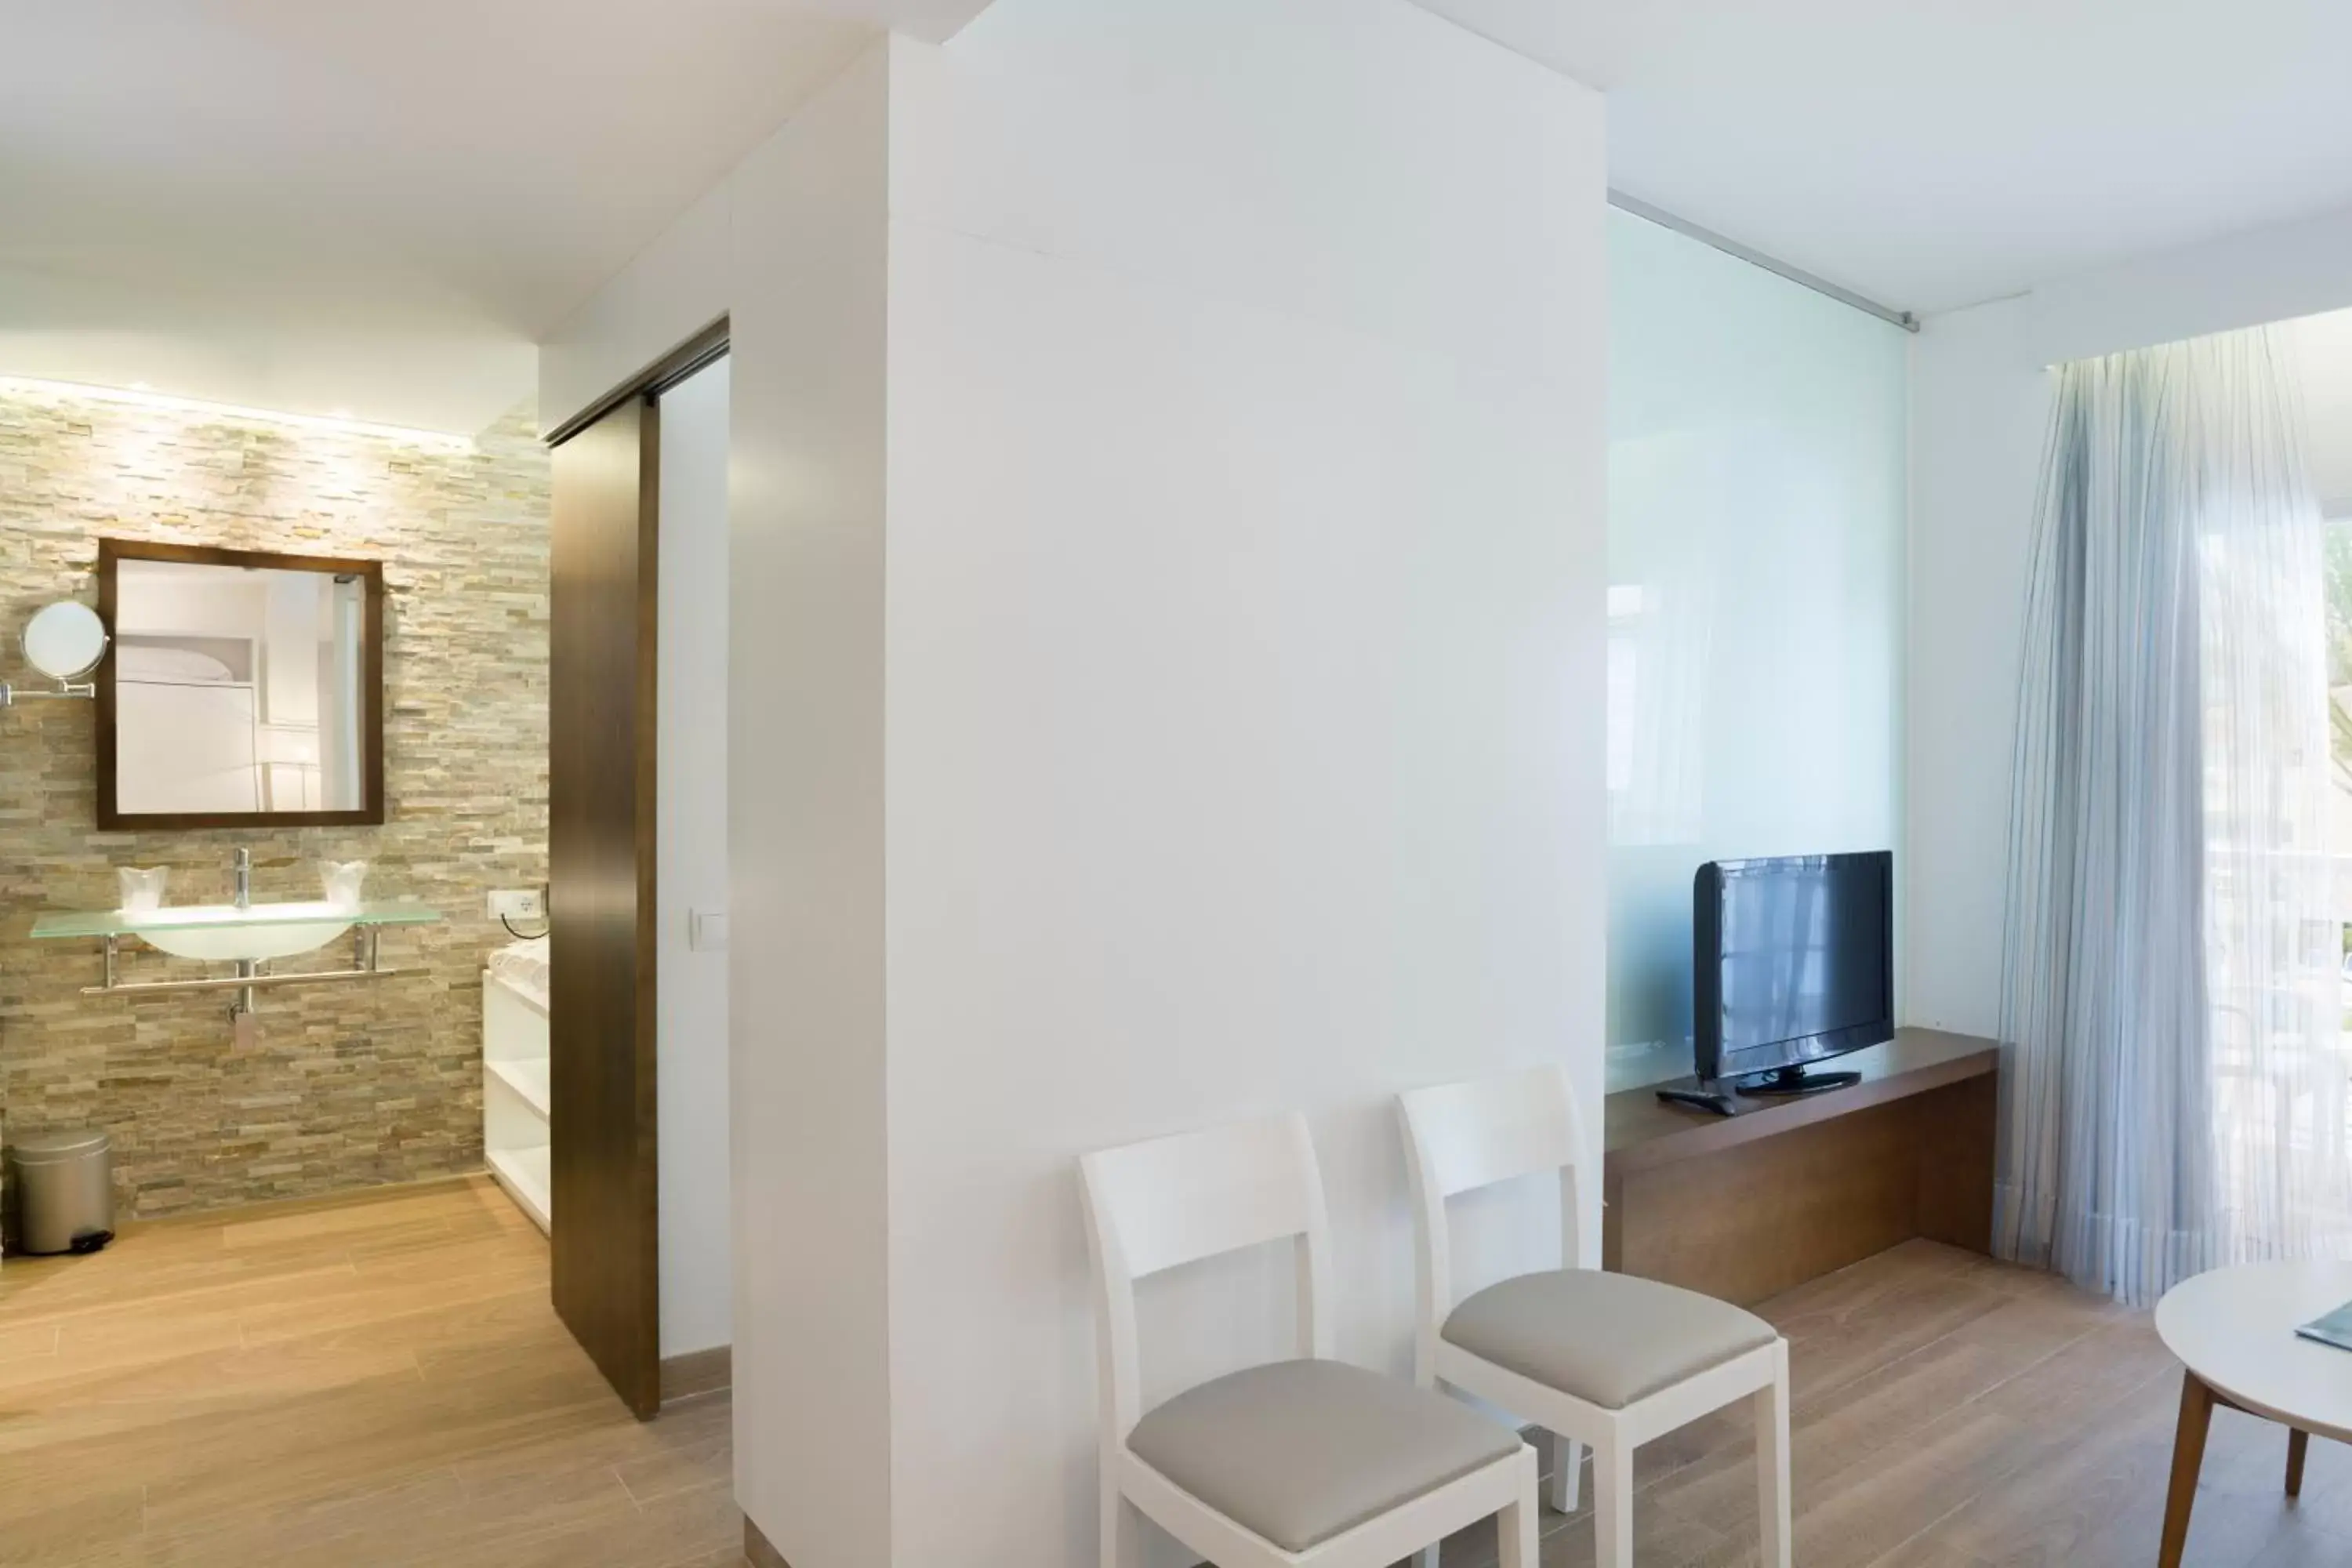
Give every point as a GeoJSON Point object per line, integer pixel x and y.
{"type": "Point", "coordinates": [10, 696]}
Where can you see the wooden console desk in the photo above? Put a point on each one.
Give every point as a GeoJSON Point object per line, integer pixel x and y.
{"type": "Point", "coordinates": [1746, 1206]}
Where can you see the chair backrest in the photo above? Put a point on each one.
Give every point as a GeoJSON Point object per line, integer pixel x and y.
{"type": "Point", "coordinates": [1170, 1201]}
{"type": "Point", "coordinates": [1461, 1136]}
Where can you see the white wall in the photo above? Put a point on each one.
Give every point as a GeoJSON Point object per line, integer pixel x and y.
{"type": "Point", "coordinates": [1980, 396]}
{"type": "Point", "coordinates": [804, 830]}
{"type": "Point", "coordinates": [2324, 347]}
{"type": "Point", "coordinates": [791, 246]}
{"type": "Point", "coordinates": [2240, 280]}
{"type": "Point", "coordinates": [1243, 556]}
{"type": "Point", "coordinates": [690, 865]}
{"type": "Point", "coordinates": [1247, 572]}
{"type": "Point", "coordinates": [673, 289]}
{"type": "Point", "coordinates": [1979, 402]}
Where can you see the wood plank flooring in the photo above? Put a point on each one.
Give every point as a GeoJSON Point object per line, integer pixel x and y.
{"type": "Point", "coordinates": [380, 1383]}
{"type": "Point", "coordinates": [1950, 1412]}
{"type": "Point", "coordinates": [377, 1381]}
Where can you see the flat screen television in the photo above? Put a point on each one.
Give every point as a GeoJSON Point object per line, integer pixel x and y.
{"type": "Point", "coordinates": [1792, 963]}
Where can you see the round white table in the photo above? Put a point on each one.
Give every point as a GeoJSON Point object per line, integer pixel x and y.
{"type": "Point", "coordinates": [2233, 1330]}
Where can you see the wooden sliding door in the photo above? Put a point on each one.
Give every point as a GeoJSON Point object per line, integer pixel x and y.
{"type": "Point", "coordinates": [604, 1189]}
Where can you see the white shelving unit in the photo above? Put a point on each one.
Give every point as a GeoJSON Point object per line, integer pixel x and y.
{"type": "Point", "coordinates": [523, 1174]}
{"type": "Point", "coordinates": [527, 1076]}
{"type": "Point", "coordinates": [514, 1094]}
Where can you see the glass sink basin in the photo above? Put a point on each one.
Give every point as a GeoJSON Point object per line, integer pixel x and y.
{"type": "Point", "coordinates": [224, 931]}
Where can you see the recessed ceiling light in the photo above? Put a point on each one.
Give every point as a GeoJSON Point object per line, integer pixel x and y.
{"type": "Point", "coordinates": [338, 414]}
{"type": "Point", "coordinates": [141, 387]}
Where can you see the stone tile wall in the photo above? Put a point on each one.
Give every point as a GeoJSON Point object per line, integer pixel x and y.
{"type": "Point", "coordinates": [345, 1085]}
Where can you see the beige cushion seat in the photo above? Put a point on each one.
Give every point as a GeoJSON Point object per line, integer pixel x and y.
{"type": "Point", "coordinates": [1607, 1339]}
{"type": "Point", "coordinates": [1301, 1450]}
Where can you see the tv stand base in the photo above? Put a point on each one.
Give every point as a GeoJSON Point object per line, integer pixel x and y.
{"type": "Point", "coordinates": [1715, 1099]}
{"type": "Point", "coordinates": [1796, 1081]}
{"type": "Point", "coordinates": [1735, 1096]}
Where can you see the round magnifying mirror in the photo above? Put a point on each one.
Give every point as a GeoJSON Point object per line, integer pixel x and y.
{"type": "Point", "coordinates": [64, 640]}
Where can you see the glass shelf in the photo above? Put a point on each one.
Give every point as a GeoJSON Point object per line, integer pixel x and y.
{"type": "Point", "coordinates": [227, 917]}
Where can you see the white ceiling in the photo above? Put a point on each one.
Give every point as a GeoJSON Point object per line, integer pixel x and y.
{"type": "Point", "coordinates": [315, 204]}
{"type": "Point", "coordinates": [1931, 153]}
{"type": "Point", "coordinates": [321, 204]}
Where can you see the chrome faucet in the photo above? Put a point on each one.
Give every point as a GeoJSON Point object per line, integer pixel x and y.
{"type": "Point", "coordinates": [244, 864]}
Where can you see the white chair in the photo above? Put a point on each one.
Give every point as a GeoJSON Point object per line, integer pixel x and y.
{"type": "Point", "coordinates": [1608, 1361]}
{"type": "Point", "coordinates": [1302, 1462]}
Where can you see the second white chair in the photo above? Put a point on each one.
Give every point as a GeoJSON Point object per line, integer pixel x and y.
{"type": "Point", "coordinates": [1606, 1360]}
{"type": "Point", "coordinates": [1309, 1463]}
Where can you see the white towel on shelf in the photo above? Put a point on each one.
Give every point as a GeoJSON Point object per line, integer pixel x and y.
{"type": "Point", "coordinates": [523, 966]}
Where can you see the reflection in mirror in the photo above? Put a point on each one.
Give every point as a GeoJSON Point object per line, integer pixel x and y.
{"type": "Point", "coordinates": [64, 640]}
{"type": "Point", "coordinates": [241, 690]}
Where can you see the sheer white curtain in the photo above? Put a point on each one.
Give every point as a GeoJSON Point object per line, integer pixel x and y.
{"type": "Point", "coordinates": [2172, 1038]}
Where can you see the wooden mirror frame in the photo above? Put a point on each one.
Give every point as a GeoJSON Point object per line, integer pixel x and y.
{"type": "Point", "coordinates": [369, 813]}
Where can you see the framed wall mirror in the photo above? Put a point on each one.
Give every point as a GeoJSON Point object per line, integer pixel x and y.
{"type": "Point", "coordinates": [240, 688]}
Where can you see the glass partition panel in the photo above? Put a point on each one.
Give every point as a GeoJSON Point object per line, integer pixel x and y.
{"type": "Point", "coordinates": [1755, 522]}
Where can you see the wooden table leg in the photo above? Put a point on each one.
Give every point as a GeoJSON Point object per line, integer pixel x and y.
{"type": "Point", "coordinates": [2298, 1442]}
{"type": "Point", "coordinates": [2188, 1458]}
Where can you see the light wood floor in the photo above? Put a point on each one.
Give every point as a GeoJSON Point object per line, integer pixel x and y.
{"type": "Point", "coordinates": [361, 1383]}
{"type": "Point", "coordinates": [380, 1382]}
{"type": "Point", "coordinates": [1950, 1412]}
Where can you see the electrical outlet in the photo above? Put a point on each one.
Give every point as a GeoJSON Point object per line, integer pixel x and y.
{"type": "Point", "coordinates": [519, 904]}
